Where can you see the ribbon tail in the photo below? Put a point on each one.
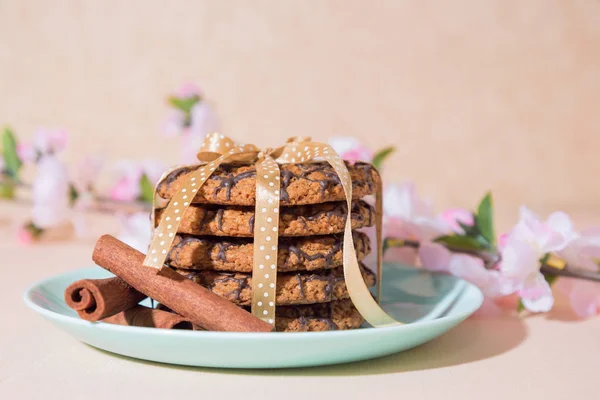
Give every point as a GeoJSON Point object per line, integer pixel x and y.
{"type": "Point", "coordinates": [379, 236]}
{"type": "Point", "coordinates": [357, 289]}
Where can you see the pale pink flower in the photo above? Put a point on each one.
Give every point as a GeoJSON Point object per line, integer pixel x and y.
{"type": "Point", "coordinates": [45, 141]}
{"type": "Point", "coordinates": [136, 230]}
{"type": "Point", "coordinates": [351, 149]}
{"type": "Point", "coordinates": [175, 125]}
{"type": "Point", "coordinates": [48, 141]}
{"type": "Point", "coordinates": [583, 250]}
{"type": "Point", "coordinates": [453, 216]}
{"type": "Point", "coordinates": [584, 296]}
{"type": "Point", "coordinates": [84, 180]}
{"type": "Point", "coordinates": [86, 172]}
{"type": "Point", "coordinates": [26, 153]}
{"type": "Point", "coordinates": [50, 193]}
{"type": "Point", "coordinates": [407, 216]}
{"type": "Point", "coordinates": [25, 236]}
{"type": "Point", "coordinates": [2, 164]}
{"type": "Point", "coordinates": [203, 121]}
{"type": "Point", "coordinates": [188, 89]}
{"type": "Point", "coordinates": [436, 257]}
{"type": "Point", "coordinates": [129, 173]}
{"type": "Point", "coordinates": [526, 244]}
{"type": "Point", "coordinates": [127, 186]}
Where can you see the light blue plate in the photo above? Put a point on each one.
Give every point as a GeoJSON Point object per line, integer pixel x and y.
{"type": "Point", "coordinates": [430, 303]}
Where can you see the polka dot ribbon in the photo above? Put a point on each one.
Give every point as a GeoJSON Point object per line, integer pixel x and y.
{"type": "Point", "coordinates": [217, 149]}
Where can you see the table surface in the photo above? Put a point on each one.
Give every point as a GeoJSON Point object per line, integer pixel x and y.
{"type": "Point", "coordinates": [553, 356]}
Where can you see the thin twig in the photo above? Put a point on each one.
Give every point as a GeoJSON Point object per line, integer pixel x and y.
{"type": "Point", "coordinates": [571, 273]}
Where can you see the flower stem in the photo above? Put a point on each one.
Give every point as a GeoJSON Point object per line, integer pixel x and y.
{"type": "Point", "coordinates": [571, 273]}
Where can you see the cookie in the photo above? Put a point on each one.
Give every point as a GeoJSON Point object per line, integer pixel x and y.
{"type": "Point", "coordinates": [335, 315]}
{"type": "Point", "coordinates": [236, 254]}
{"type": "Point", "coordinates": [299, 288]}
{"type": "Point", "coordinates": [319, 219]}
{"type": "Point", "coordinates": [309, 183]}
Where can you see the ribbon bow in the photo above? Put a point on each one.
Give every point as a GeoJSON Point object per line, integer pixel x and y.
{"type": "Point", "coordinates": [217, 149]}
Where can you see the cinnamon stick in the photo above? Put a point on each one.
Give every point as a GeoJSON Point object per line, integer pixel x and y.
{"type": "Point", "coordinates": [181, 295]}
{"type": "Point", "coordinates": [95, 299]}
{"type": "Point", "coordinates": [150, 318]}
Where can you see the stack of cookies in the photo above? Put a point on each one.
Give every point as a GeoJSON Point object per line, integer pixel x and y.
{"type": "Point", "coordinates": [214, 245]}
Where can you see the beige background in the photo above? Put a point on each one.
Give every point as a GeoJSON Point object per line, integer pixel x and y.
{"type": "Point", "coordinates": [476, 95]}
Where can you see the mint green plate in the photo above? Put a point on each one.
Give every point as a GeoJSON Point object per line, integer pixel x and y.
{"type": "Point", "coordinates": [430, 303]}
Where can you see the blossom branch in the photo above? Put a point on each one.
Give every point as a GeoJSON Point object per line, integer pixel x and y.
{"type": "Point", "coordinates": [495, 257]}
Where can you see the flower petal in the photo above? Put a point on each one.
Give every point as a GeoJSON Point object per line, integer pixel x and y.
{"type": "Point", "coordinates": [50, 192]}
{"type": "Point", "coordinates": [434, 256]}
{"type": "Point", "coordinates": [536, 294]}
{"type": "Point", "coordinates": [519, 260]}
{"type": "Point", "coordinates": [470, 269]}
{"type": "Point", "coordinates": [455, 215]}
{"type": "Point", "coordinates": [560, 222]}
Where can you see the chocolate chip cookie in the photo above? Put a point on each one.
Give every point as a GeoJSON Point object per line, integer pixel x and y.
{"type": "Point", "coordinates": [236, 254]}
{"type": "Point", "coordinates": [299, 288]}
{"type": "Point", "coordinates": [335, 315]}
{"type": "Point", "coordinates": [309, 183]}
{"type": "Point", "coordinates": [318, 219]}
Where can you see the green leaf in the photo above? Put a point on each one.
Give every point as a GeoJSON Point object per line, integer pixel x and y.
{"type": "Point", "coordinates": [485, 219]}
{"type": "Point", "coordinates": [184, 104]}
{"type": "Point", "coordinates": [521, 306]}
{"type": "Point", "coordinates": [461, 243]}
{"type": "Point", "coordinates": [36, 232]}
{"type": "Point", "coordinates": [470, 230]}
{"type": "Point", "coordinates": [12, 163]}
{"type": "Point", "coordinates": [381, 155]}
{"type": "Point", "coordinates": [550, 278]}
{"type": "Point", "coordinates": [73, 195]}
{"type": "Point", "coordinates": [7, 190]}
{"type": "Point", "coordinates": [146, 190]}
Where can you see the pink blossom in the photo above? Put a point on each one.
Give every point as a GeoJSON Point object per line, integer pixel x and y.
{"type": "Point", "coordinates": [583, 250]}
{"type": "Point", "coordinates": [50, 193]}
{"type": "Point", "coordinates": [453, 216]}
{"type": "Point", "coordinates": [407, 216]}
{"type": "Point", "coordinates": [436, 257]}
{"type": "Point", "coordinates": [526, 244]}
{"type": "Point", "coordinates": [136, 230]}
{"type": "Point", "coordinates": [584, 296]}
{"type": "Point", "coordinates": [502, 239]}
{"type": "Point", "coordinates": [126, 189]}
{"type": "Point", "coordinates": [50, 140]}
{"type": "Point", "coordinates": [26, 153]}
{"type": "Point", "coordinates": [187, 90]}
{"type": "Point", "coordinates": [45, 141]}
{"type": "Point", "coordinates": [86, 172]}
{"type": "Point", "coordinates": [84, 180]}
{"type": "Point", "coordinates": [351, 149]}
{"type": "Point", "coordinates": [204, 121]}
{"type": "Point", "coordinates": [403, 255]}
{"type": "Point", "coordinates": [175, 124]}
{"type": "Point", "coordinates": [25, 236]}
{"type": "Point", "coordinates": [127, 185]}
